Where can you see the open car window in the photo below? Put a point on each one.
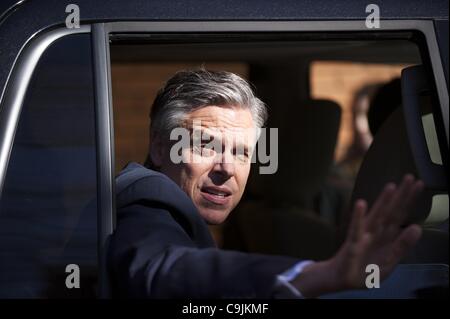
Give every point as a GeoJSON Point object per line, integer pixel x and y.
{"type": "Point", "coordinates": [328, 97]}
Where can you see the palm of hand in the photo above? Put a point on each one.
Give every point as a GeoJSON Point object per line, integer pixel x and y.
{"type": "Point", "coordinates": [376, 235]}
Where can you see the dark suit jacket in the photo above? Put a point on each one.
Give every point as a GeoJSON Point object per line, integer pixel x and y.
{"type": "Point", "coordinates": [162, 247]}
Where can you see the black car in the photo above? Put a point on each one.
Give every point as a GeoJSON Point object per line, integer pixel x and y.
{"type": "Point", "coordinates": [65, 63]}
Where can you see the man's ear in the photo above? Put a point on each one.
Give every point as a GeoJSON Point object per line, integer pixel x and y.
{"type": "Point", "coordinates": [157, 149]}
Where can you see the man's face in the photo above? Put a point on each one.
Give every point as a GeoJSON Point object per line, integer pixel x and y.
{"type": "Point", "coordinates": [214, 178]}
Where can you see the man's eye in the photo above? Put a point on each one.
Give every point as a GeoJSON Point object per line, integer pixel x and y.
{"type": "Point", "coordinates": [207, 149]}
{"type": "Point", "coordinates": [207, 146]}
{"type": "Point", "coordinates": [242, 156]}
{"type": "Point", "coordinates": [197, 149]}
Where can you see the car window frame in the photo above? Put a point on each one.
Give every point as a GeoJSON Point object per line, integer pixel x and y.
{"type": "Point", "coordinates": [426, 29]}
{"type": "Point", "coordinates": [11, 106]}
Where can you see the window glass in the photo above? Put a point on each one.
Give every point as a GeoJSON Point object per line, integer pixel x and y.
{"type": "Point", "coordinates": [48, 206]}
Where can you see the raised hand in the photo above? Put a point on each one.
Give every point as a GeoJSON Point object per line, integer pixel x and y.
{"type": "Point", "coordinates": [375, 236]}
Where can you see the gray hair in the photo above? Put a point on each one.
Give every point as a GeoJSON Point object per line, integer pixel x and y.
{"type": "Point", "coordinates": [189, 90]}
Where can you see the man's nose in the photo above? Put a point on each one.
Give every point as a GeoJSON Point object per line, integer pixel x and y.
{"type": "Point", "coordinates": [224, 165]}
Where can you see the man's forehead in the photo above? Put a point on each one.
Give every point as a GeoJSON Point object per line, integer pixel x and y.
{"type": "Point", "coordinates": [222, 132]}
{"type": "Point", "coordinates": [221, 118]}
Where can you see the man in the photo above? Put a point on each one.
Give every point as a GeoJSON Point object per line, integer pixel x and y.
{"type": "Point", "coordinates": [162, 247]}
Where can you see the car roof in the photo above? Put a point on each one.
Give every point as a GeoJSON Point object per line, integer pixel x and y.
{"type": "Point", "coordinates": [234, 9]}
{"type": "Point", "coordinates": [19, 20]}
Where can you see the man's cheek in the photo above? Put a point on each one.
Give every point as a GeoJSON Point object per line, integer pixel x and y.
{"type": "Point", "coordinates": [188, 156]}
{"type": "Point", "coordinates": [192, 156]}
{"type": "Point", "coordinates": [243, 175]}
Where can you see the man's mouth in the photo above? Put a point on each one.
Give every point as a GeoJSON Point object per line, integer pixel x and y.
{"type": "Point", "coordinates": [216, 195]}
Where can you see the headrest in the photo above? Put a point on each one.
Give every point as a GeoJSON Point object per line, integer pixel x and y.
{"type": "Point", "coordinates": [384, 102]}
{"type": "Point", "coordinates": [307, 134]}
{"type": "Point", "coordinates": [400, 147]}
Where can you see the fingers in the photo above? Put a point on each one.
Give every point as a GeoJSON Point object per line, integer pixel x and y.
{"type": "Point", "coordinates": [378, 208]}
{"type": "Point", "coordinates": [356, 229]}
{"type": "Point", "coordinates": [407, 203]}
{"type": "Point", "coordinates": [400, 195]}
{"type": "Point", "coordinates": [401, 203]}
{"type": "Point", "coordinates": [404, 242]}
{"type": "Point", "coordinates": [393, 204]}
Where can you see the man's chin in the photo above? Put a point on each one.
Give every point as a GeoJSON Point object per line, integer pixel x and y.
{"type": "Point", "coordinates": [214, 216]}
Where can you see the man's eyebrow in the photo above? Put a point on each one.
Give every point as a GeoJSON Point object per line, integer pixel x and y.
{"type": "Point", "coordinates": [209, 135]}
{"type": "Point", "coordinates": [206, 134]}
{"type": "Point", "coordinates": [242, 146]}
